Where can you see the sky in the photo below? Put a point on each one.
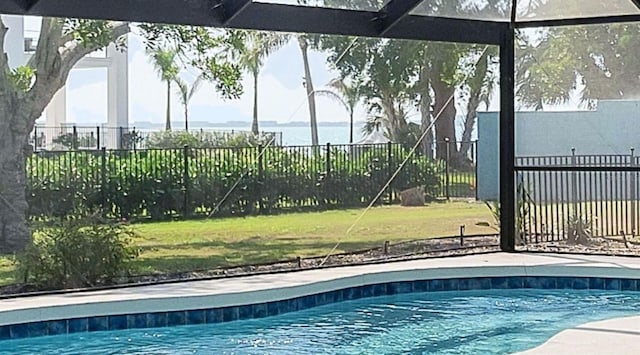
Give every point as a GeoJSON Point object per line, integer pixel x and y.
{"type": "Point", "coordinates": [281, 96]}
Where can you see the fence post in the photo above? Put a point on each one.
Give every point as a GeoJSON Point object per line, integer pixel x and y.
{"type": "Point", "coordinates": [35, 138]}
{"type": "Point", "coordinates": [74, 138]}
{"type": "Point", "coordinates": [327, 169]}
{"type": "Point", "coordinates": [475, 167]}
{"type": "Point", "coordinates": [328, 160]}
{"type": "Point", "coordinates": [103, 178]}
{"type": "Point", "coordinates": [120, 137]}
{"type": "Point", "coordinates": [446, 168]}
{"type": "Point", "coordinates": [574, 183]}
{"type": "Point", "coordinates": [97, 137]}
{"type": "Point", "coordinates": [260, 181]}
{"type": "Point", "coordinates": [633, 194]}
{"type": "Point", "coordinates": [185, 181]}
{"type": "Point", "coordinates": [390, 171]}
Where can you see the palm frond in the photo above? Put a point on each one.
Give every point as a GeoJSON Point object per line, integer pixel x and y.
{"type": "Point", "coordinates": [195, 86]}
{"type": "Point", "coordinates": [183, 90]}
{"type": "Point", "coordinates": [335, 97]}
{"type": "Point", "coordinates": [164, 62]}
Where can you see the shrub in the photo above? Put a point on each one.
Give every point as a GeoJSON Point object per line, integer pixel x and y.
{"type": "Point", "coordinates": [157, 184]}
{"type": "Point", "coordinates": [77, 252]}
{"type": "Point", "coordinates": [170, 139]}
{"type": "Point", "coordinates": [202, 139]}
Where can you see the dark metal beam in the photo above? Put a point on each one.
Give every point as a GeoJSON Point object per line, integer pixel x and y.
{"type": "Point", "coordinates": [229, 9]}
{"type": "Point", "coordinates": [637, 3]}
{"type": "Point", "coordinates": [393, 12]}
{"type": "Point", "coordinates": [579, 21]}
{"type": "Point", "coordinates": [195, 12]}
{"type": "Point", "coordinates": [571, 168]}
{"type": "Point", "coordinates": [448, 30]}
{"type": "Point", "coordinates": [507, 143]}
{"type": "Point", "coordinates": [292, 18]}
{"type": "Point", "coordinates": [268, 17]}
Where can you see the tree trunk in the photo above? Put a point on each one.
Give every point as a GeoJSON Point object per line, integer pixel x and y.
{"type": "Point", "coordinates": [311, 97]}
{"type": "Point", "coordinates": [425, 112]}
{"type": "Point", "coordinates": [425, 124]}
{"type": "Point", "coordinates": [444, 106]}
{"type": "Point", "coordinates": [14, 232]}
{"type": "Point", "coordinates": [167, 124]}
{"type": "Point", "coordinates": [254, 124]}
{"type": "Point", "coordinates": [186, 118]}
{"type": "Point", "coordinates": [478, 82]}
{"type": "Point", "coordinates": [469, 124]}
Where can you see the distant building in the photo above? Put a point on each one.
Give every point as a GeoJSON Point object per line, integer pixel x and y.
{"type": "Point", "coordinates": [612, 129]}
{"type": "Point", "coordinates": [20, 46]}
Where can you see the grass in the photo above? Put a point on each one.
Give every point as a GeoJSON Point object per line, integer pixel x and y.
{"type": "Point", "coordinates": [7, 270]}
{"type": "Point", "coordinates": [199, 245]}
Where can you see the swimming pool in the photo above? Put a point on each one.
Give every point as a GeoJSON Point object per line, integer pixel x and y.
{"type": "Point", "coordinates": [456, 322]}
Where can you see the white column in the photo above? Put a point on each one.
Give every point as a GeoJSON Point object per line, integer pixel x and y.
{"type": "Point", "coordinates": [56, 116]}
{"type": "Point", "coordinates": [118, 93]}
{"type": "Point", "coordinates": [14, 40]}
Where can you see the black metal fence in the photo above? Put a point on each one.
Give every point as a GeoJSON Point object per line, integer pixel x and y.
{"type": "Point", "coordinates": [459, 179]}
{"type": "Point", "coordinates": [564, 196]}
{"type": "Point", "coordinates": [73, 137]}
{"type": "Point", "coordinates": [187, 182]}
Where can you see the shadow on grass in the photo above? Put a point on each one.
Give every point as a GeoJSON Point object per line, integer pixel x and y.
{"type": "Point", "coordinates": [245, 252]}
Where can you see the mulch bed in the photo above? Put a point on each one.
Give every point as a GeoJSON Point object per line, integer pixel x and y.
{"type": "Point", "coordinates": [412, 250]}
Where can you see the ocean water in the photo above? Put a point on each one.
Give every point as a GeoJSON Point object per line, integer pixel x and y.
{"type": "Point", "coordinates": [300, 135]}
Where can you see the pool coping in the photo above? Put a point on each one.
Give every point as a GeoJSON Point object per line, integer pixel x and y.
{"type": "Point", "coordinates": [219, 300]}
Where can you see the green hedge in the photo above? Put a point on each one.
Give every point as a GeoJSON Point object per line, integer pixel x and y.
{"type": "Point", "coordinates": [161, 184]}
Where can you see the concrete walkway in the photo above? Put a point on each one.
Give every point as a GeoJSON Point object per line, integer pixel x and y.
{"type": "Point", "coordinates": [594, 338]}
{"type": "Point", "coordinates": [619, 336]}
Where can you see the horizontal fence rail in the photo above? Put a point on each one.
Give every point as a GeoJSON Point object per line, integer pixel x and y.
{"type": "Point", "coordinates": [564, 197]}
{"type": "Point", "coordinates": [189, 182]}
{"type": "Point", "coordinates": [72, 137]}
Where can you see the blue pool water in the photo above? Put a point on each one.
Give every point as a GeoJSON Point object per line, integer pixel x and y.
{"type": "Point", "coordinates": [461, 322]}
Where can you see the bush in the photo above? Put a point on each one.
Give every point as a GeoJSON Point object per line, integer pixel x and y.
{"type": "Point", "coordinates": [77, 252]}
{"type": "Point", "coordinates": [157, 184]}
{"type": "Point", "coordinates": [202, 139]}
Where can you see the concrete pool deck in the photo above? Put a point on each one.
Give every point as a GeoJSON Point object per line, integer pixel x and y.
{"type": "Point", "coordinates": [608, 337]}
{"type": "Point", "coordinates": [618, 336]}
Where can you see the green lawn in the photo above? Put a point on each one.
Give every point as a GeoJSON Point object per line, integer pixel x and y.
{"type": "Point", "coordinates": [205, 244]}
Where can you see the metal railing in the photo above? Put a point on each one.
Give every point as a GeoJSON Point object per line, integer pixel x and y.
{"type": "Point", "coordinates": [74, 137]}
{"type": "Point", "coordinates": [186, 182]}
{"type": "Point", "coordinates": [560, 196]}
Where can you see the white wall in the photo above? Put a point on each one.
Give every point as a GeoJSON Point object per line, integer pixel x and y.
{"type": "Point", "coordinates": [14, 40]}
{"type": "Point", "coordinates": [614, 128]}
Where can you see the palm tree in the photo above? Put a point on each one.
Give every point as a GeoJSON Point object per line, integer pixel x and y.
{"type": "Point", "coordinates": [348, 94]}
{"type": "Point", "coordinates": [256, 47]}
{"type": "Point", "coordinates": [186, 94]}
{"type": "Point", "coordinates": [308, 84]}
{"type": "Point", "coordinates": [164, 62]}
